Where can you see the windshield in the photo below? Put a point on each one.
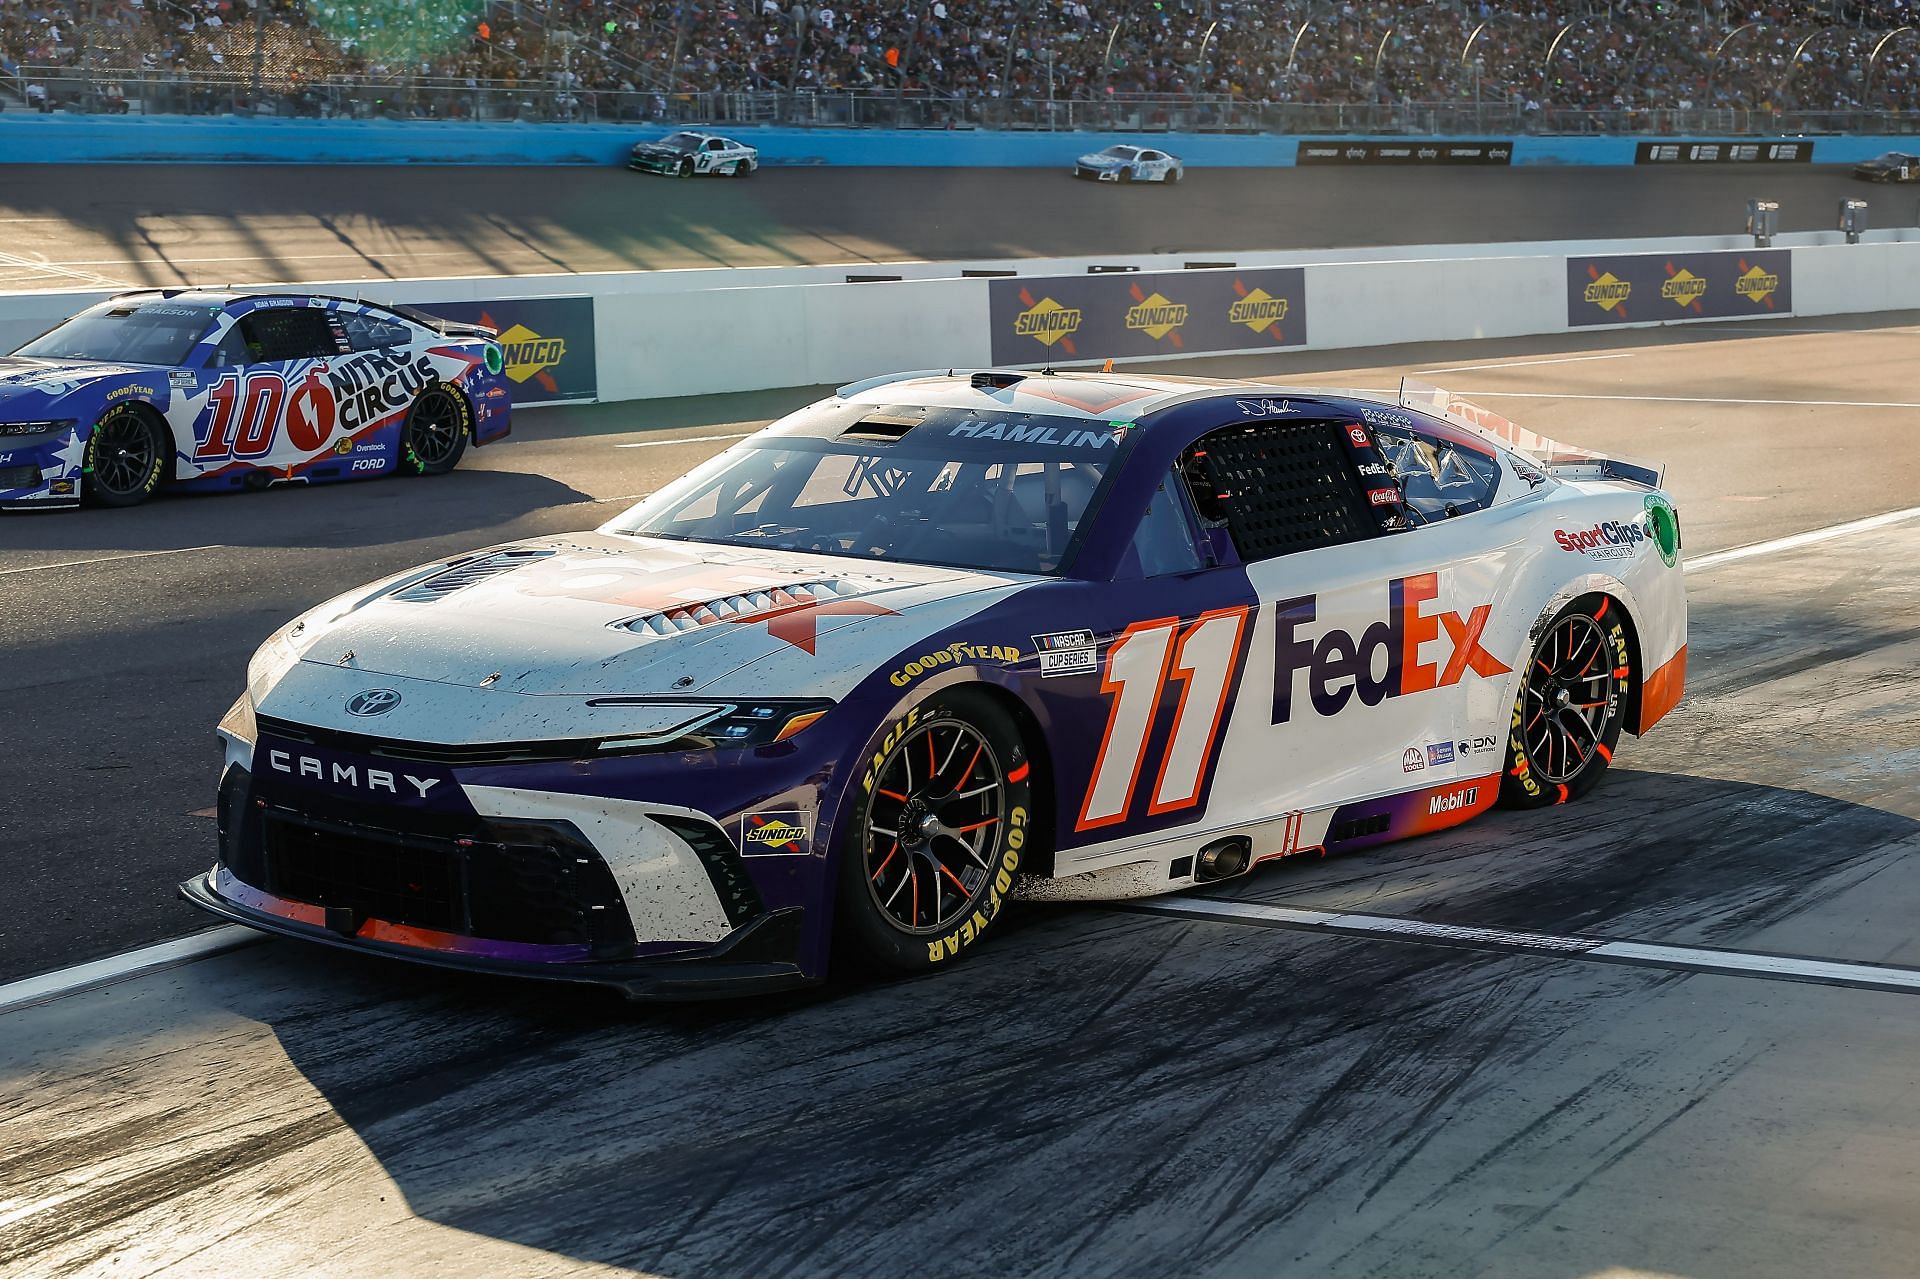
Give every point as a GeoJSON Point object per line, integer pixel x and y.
{"type": "Point", "coordinates": [154, 333]}
{"type": "Point", "coordinates": [994, 491]}
{"type": "Point", "coordinates": [682, 141]}
{"type": "Point", "coordinates": [1121, 153]}
{"type": "Point", "coordinates": [1891, 157]}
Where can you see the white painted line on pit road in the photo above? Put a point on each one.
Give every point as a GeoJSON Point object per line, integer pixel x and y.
{"type": "Point", "coordinates": [1693, 959]}
{"type": "Point", "coordinates": [1527, 364]}
{"type": "Point", "coordinates": [1796, 540]}
{"type": "Point", "coordinates": [109, 559]}
{"type": "Point", "coordinates": [117, 968]}
{"type": "Point", "coordinates": [1688, 399]}
{"type": "Point", "coordinates": [684, 439]}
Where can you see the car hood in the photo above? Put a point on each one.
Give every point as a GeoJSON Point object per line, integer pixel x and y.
{"type": "Point", "coordinates": [24, 378]}
{"type": "Point", "coordinates": [1098, 161]}
{"type": "Point", "coordinates": [598, 615]}
{"type": "Point", "coordinates": [654, 148]}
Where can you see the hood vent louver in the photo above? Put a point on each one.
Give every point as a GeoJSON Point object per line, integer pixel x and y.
{"type": "Point", "coordinates": [461, 576]}
{"type": "Point", "coordinates": [692, 615]}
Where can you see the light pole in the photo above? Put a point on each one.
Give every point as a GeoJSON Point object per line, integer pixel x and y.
{"type": "Point", "coordinates": [1866, 98]}
{"type": "Point", "coordinates": [1713, 63]}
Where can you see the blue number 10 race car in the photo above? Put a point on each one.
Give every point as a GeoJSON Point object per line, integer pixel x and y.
{"type": "Point", "coordinates": [936, 642]}
{"type": "Point", "coordinates": [201, 389]}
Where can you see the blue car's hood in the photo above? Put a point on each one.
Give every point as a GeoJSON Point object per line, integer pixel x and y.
{"type": "Point", "coordinates": [44, 381]}
{"type": "Point", "coordinates": [1098, 161]}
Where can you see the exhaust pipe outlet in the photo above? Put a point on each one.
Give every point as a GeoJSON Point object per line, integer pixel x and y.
{"type": "Point", "coordinates": [1223, 859]}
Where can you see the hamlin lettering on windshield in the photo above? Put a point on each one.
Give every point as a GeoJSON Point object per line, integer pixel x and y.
{"type": "Point", "coordinates": [353, 775]}
{"type": "Point", "coordinates": [1339, 666]}
{"type": "Point", "coordinates": [1054, 437]}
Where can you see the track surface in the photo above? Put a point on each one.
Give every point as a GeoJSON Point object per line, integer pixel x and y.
{"type": "Point", "coordinates": [80, 226]}
{"type": "Point", "coordinates": [1099, 1091]}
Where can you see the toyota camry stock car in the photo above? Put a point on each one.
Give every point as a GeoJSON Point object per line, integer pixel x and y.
{"type": "Point", "coordinates": [215, 389]}
{"type": "Point", "coordinates": [935, 642]}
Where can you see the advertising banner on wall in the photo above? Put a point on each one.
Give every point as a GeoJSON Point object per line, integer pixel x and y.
{"type": "Point", "coordinates": [548, 343]}
{"type": "Point", "coordinates": [1481, 151]}
{"type": "Point", "coordinates": [1650, 288]}
{"type": "Point", "coordinates": [1093, 317]}
{"type": "Point", "coordinates": [1757, 152]}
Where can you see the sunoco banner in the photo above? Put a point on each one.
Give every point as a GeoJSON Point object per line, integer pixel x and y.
{"type": "Point", "coordinates": [1092, 317]}
{"type": "Point", "coordinates": [548, 344]}
{"type": "Point", "coordinates": [1651, 288]}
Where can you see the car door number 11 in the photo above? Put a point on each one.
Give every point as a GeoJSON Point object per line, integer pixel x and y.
{"type": "Point", "coordinates": [1204, 656]}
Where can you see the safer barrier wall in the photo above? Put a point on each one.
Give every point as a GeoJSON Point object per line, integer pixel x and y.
{"type": "Point", "coordinates": [673, 333]}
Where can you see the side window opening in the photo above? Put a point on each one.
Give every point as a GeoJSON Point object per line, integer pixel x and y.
{"type": "Point", "coordinates": [286, 333]}
{"type": "Point", "coordinates": [1440, 479]}
{"type": "Point", "coordinates": [1164, 542]}
{"type": "Point", "coordinates": [1279, 486]}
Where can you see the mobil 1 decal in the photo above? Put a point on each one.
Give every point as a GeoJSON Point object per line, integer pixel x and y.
{"type": "Point", "coordinates": [1128, 315]}
{"type": "Point", "coordinates": [1654, 288]}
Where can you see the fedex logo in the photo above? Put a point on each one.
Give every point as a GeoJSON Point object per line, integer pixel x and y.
{"type": "Point", "coordinates": [1339, 665]}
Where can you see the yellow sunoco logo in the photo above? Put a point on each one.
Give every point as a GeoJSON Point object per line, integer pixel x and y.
{"type": "Point", "coordinates": [1756, 285]}
{"type": "Point", "coordinates": [528, 353]}
{"type": "Point", "coordinates": [1259, 310]}
{"type": "Point", "coordinates": [1608, 291]}
{"type": "Point", "coordinates": [1046, 322]}
{"type": "Point", "coordinates": [776, 832]}
{"type": "Point", "coordinates": [1156, 316]}
{"type": "Point", "coordinates": [1683, 288]}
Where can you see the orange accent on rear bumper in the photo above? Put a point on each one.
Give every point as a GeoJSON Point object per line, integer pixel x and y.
{"type": "Point", "coordinates": [1661, 693]}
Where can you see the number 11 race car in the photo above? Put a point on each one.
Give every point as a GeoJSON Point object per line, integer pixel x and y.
{"type": "Point", "coordinates": [937, 642]}
{"type": "Point", "coordinates": [206, 390]}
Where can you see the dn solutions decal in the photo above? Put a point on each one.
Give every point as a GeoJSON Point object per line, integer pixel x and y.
{"type": "Point", "coordinates": [548, 343]}
{"type": "Point", "coordinates": [1064, 319]}
{"type": "Point", "coordinates": [1652, 288]}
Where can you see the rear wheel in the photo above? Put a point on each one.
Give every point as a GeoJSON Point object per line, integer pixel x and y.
{"type": "Point", "coordinates": [743, 168]}
{"type": "Point", "coordinates": [436, 431]}
{"type": "Point", "coordinates": [1572, 700]}
{"type": "Point", "coordinates": [934, 842]}
{"type": "Point", "coordinates": [127, 456]}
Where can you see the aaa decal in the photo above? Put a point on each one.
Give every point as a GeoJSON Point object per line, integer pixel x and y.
{"type": "Point", "coordinates": [1339, 666]}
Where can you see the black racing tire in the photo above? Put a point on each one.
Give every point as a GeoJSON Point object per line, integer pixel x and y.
{"type": "Point", "coordinates": [743, 169]}
{"type": "Point", "coordinates": [1174, 176]}
{"type": "Point", "coordinates": [1126, 176]}
{"type": "Point", "coordinates": [127, 456]}
{"type": "Point", "coordinates": [439, 424]}
{"type": "Point", "coordinates": [1572, 700]}
{"type": "Point", "coordinates": [686, 167]}
{"type": "Point", "coordinates": [936, 829]}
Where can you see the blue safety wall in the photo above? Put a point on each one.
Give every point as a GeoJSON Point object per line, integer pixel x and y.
{"type": "Point", "coordinates": [77, 139]}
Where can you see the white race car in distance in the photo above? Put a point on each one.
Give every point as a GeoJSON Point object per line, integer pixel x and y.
{"type": "Point", "coordinates": [687, 154]}
{"type": "Point", "coordinates": [1127, 163]}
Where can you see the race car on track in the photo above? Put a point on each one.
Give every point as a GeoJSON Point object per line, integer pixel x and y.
{"type": "Point", "coordinates": [203, 389]}
{"type": "Point", "coordinates": [935, 642]}
{"type": "Point", "coordinates": [686, 154]}
{"type": "Point", "coordinates": [1894, 166]}
{"type": "Point", "coordinates": [1125, 163]}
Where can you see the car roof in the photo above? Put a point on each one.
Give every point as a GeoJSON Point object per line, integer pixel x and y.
{"type": "Point", "coordinates": [1096, 397]}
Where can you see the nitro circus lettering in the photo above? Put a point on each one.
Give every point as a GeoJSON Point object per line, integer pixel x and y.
{"type": "Point", "coordinates": [370, 386]}
{"type": "Point", "coordinates": [1338, 666]}
{"type": "Point", "coordinates": [950, 654]}
{"type": "Point", "coordinates": [1453, 801]}
{"type": "Point", "coordinates": [347, 774]}
{"type": "Point", "coordinates": [1052, 437]}
{"type": "Point", "coordinates": [1611, 540]}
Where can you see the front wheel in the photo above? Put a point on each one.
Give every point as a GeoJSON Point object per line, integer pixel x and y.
{"type": "Point", "coordinates": [936, 832]}
{"type": "Point", "coordinates": [686, 167]}
{"type": "Point", "coordinates": [1572, 700]}
{"type": "Point", "coordinates": [126, 456]}
{"type": "Point", "coordinates": [436, 431]}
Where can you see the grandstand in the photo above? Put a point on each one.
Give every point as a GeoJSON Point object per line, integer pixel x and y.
{"type": "Point", "coordinates": [1209, 64]}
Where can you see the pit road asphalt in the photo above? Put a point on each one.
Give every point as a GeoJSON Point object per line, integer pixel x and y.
{"type": "Point", "coordinates": [121, 226]}
{"type": "Point", "coordinates": [1098, 1091]}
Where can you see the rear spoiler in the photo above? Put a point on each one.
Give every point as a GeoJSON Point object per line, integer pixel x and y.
{"type": "Point", "coordinates": [440, 324]}
{"type": "Point", "coordinates": [1563, 461]}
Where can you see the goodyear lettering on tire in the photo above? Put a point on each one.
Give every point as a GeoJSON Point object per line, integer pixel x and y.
{"type": "Point", "coordinates": [949, 946]}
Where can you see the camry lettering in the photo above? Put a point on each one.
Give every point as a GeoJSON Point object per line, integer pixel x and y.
{"type": "Point", "coordinates": [1340, 666]}
{"type": "Point", "coordinates": [349, 774]}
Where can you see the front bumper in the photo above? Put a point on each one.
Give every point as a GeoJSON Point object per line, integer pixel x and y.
{"type": "Point", "coordinates": [757, 958]}
{"type": "Point", "coordinates": [652, 164]}
{"type": "Point", "coordinates": [34, 475]}
{"type": "Point", "coordinates": [1090, 174]}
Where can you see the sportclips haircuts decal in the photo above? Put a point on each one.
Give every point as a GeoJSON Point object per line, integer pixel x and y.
{"type": "Point", "coordinates": [1334, 151]}
{"type": "Point", "coordinates": [548, 344]}
{"type": "Point", "coordinates": [1092, 317]}
{"type": "Point", "coordinates": [1651, 288]}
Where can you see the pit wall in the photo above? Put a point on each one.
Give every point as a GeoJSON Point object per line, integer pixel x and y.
{"type": "Point", "coordinates": [61, 138]}
{"type": "Point", "coordinates": [674, 333]}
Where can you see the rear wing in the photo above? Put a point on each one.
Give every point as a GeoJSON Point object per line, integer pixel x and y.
{"type": "Point", "coordinates": [1562, 461]}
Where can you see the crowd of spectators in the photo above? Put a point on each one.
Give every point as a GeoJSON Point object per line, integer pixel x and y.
{"type": "Point", "coordinates": [1529, 54]}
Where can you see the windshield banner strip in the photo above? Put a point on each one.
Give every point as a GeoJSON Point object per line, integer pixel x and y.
{"type": "Point", "coordinates": [1093, 317]}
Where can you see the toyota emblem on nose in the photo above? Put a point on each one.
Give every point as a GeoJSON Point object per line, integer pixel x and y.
{"type": "Point", "coordinates": [374, 701]}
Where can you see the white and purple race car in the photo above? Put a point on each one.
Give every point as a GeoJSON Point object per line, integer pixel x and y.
{"type": "Point", "coordinates": [203, 389]}
{"type": "Point", "coordinates": [940, 641]}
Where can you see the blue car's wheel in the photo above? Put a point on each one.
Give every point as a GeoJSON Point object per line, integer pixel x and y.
{"type": "Point", "coordinates": [436, 431]}
{"type": "Point", "coordinates": [935, 834]}
{"type": "Point", "coordinates": [127, 456]}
